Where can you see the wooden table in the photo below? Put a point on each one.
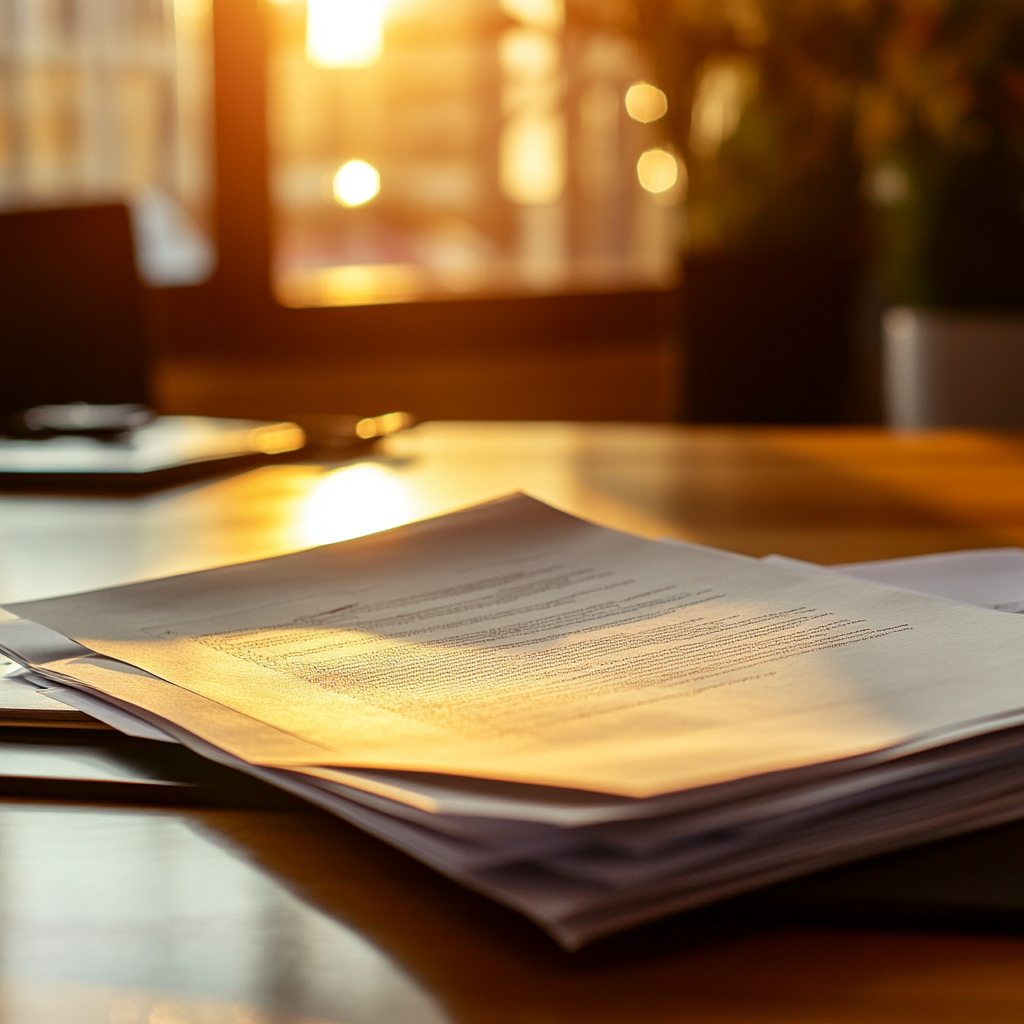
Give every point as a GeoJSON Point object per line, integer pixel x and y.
{"type": "Point", "coordinates": [130, 915]}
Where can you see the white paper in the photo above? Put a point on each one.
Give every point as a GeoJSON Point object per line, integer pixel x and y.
{"type": "Point", "coordinates": [104, 711]}
{"type": "Point", "coordinates": [511, 641]}
{"type": "Point", "coordinates": [988, 578]}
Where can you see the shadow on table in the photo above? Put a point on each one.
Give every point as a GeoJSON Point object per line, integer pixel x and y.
{"type": "Point", "coordinates": [780, 952]}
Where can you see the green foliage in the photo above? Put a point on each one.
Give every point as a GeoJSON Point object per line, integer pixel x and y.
{"type": "Point", "coordinates": [893, 128]}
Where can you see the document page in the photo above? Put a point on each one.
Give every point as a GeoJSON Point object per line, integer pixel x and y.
{"type": "Point", "coordinates": [992, 578]}
{"type": "Point", "coordinates": [512, 641]}
{"type": "Point", "coordinates": [989, 578]}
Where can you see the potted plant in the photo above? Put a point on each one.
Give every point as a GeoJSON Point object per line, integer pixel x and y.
{"type": "Point", "coordinates": [940, 129]}
{"type": "Point", "coordinates": [881, 134]}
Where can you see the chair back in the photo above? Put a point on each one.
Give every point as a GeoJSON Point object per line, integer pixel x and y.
{"type": "Point", "coordinates": [71, 315]}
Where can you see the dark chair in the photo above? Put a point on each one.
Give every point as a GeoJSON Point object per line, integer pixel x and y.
{"type": "Point", "coordinates": [71, 314]}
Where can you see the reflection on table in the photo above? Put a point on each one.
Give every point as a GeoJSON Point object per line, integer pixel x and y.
{"type": "Point", "coordinates": [131, 915]}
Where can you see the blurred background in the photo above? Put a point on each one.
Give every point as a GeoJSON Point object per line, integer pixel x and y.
{"type": "Point", "coordinates": [698, 210]}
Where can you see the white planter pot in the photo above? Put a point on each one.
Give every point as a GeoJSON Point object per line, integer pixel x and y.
{"type": "Point", "coordinates": [953, 369]}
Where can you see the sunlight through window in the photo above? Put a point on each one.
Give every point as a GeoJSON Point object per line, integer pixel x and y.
{"type": "Point", "coordinates": [344, 33]}
{"type": "Point", "coordinates": [426, 150]}
{"type": "Point", "coordinates": [356, 182]}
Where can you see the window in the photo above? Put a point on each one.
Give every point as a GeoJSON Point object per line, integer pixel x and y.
{"type": "Point", "coordinates": [105, 100]}
{"type": "Point", "coordinates": [442, 148]}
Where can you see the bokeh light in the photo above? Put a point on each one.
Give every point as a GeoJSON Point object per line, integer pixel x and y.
{"type": "Point", "coordinates": [344, 33]}
{"type": "Point", "coordinates": [645, 102]}
{"type": "Point", "coordinates": [356, 183]}
{"type": "Point", "coordinates": [657, 170]}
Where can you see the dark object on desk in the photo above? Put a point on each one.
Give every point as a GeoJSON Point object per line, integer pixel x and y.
{"type": "Point", "coordinates": [79, 419]}
{"type": "Point", "coordinates": [163, 451]}
{"type": "Point", "coordinates": [328, 434]}
{"type": "Point", "coordinates": [72, 327]}
{"type": "Point", "coordinates": [80, 446]}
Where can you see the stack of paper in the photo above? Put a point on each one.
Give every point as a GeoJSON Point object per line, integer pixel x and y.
{"type": "Point", "coordinates": [590, 727]}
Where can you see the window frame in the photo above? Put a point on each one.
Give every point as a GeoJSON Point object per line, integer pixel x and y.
{"type": "Point", "coordinates": [235, 315]}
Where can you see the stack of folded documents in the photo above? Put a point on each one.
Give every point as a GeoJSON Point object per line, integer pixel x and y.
{"type": "Point", "coordinates": [590, 727]}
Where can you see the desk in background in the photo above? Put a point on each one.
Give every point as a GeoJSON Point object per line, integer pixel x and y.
{"type": "Point", "coordinates": [131, 915]}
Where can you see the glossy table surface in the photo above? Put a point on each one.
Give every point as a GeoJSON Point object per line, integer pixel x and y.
{"type": "Point", "coordinates": [132, 914]}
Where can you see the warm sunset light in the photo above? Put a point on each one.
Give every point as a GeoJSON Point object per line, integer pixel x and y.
{"type": "Point", "coordinates": [547, 14]}
{"type": "Point", "coordinates": [533, 158]}
{"type": "Point", "coordinates": [657, 170]}
{"type": "Point", "coordinates": [276, 438]}
{"type": "Point", "coordinates": [353, 284]}
{"type": "Point", "coordinates": [354, 501]}
{"type": "Point", "coordinates": [344, 33]}
{"type": "Point", "coordinates": [645, 102]}
{"type": "Point", "coordinates": [355, 183]}
{"type": "Point", "coordinates": [465, 148]}
{"type": "Point", "coordinates": [381, 426]}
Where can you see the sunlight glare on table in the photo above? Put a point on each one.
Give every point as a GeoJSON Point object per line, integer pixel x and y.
{"type": "Point", "coordinates": [354, 501]}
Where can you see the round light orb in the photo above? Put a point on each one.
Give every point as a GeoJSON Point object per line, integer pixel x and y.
{"type": "Point", "coordinates": [657, 170]}
{"type": "Point", "coordinates": [645, 102]}
{"type": "Point", "coordinates": [355, 183]}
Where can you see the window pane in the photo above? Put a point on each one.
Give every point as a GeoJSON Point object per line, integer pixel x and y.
{"type": "Point", "coordinates": [104, 100]}
{"type": "Point", "coordinates": [438, 148]}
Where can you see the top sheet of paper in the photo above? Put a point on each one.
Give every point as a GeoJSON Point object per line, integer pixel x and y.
{"type": "Point", "coordinates": [992, 577]}
{"type": "Point", "coordinates": [512, 641]}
